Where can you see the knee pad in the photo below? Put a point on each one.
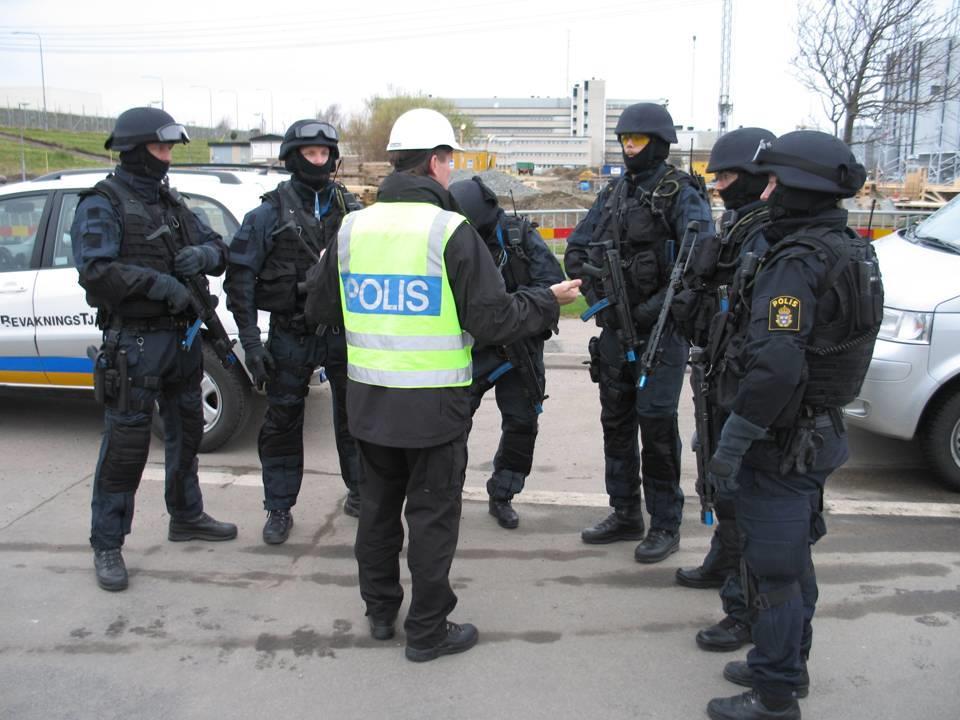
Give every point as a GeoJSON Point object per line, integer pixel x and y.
{"type": "Point", "coordinates": [125, 457]}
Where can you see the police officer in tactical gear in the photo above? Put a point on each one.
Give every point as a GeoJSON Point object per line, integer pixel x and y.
{"type": "Point", "coordinates": [708, 290]}
{"type": "Point", "coordinates": [136, 281]}
{"type": "Point", "coordinates": [413, 283]}
{"type": "Point", "coordinates": [643, 215]}
{"type": "Point", "coordinates": [269, 257]}
{"type": "Point", "coordinates": [800, 347]}
{"type": "Point", "coordinates": [516, 371]}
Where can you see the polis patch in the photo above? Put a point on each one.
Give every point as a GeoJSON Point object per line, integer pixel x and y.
{"type": "Point", "coordinates": [784, 314]}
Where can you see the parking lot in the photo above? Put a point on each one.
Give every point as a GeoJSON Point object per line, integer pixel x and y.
{"type": "Point", "coordinates": [567, 630]}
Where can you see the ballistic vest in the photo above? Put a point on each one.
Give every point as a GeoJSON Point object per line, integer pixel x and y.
{"type": "Point", "coordinates": [399, 313]}
{"type": "Point", "coordinates": [139, 219]}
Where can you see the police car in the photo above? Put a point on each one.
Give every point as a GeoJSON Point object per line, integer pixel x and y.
{"type": "Point", "coordinates": [912, 389]}
{"type": "Point", "coordinates": [45, 323]}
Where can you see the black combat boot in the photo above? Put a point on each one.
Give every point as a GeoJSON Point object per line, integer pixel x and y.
{"type": "Point", "coordinates": [739, 673]}
{"type": "Point", "coordinates": [460, 638]}
{"type": "Point", "coordinates": [750, 706]}
{"type": "Point", "coordinates": [277, 528]}
{"type": "Point", "coordinates": [111, 570]}
{"type": "Point", "coordinates": [624, 523]}
{"type": "Point", "coordinates": [202, 527]}
{"type": "Point", "coordinates": [699, 577]}
{"type": "Point", "coordinates": [503, 511]}
{"type": "Point", "coordinates": [656, 546]}
{"type": "Point", "coordinates": [382, 629]}
{"type": "Point", "coordinates": [727, 635]}
{"type": "Point", "coordinates": [351, 505]}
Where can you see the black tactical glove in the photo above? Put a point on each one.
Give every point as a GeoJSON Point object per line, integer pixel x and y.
{"type": "Point", "coordinates": [192, 260]}
{"type": "Point", "coordinates": [735, 439]}
{"type": "Point", "coordinates": [260, 363]}
{"type": "Point", "coordinates": [168, 288]}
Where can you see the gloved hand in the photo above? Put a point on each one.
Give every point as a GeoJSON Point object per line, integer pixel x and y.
{"type": "Point", "coordinates": [192, 260]}
{"type": "Point", "coordinates": [168, 288]}
{"type": "Point", "coordinates": [735, 439]}
{"type": "Point", "coordinates": [260, 363]}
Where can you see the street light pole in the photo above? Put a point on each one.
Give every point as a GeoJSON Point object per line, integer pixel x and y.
{"type": "Point", "coordinates": [23, 156]}
{"type": "Point", "coordinates": [273, 127]}
{"type": "Point", "coordinates": [157, 77]}
{"type": "Point", "coordinates": [209, 90]}
{"type": "Point", "coordinates": [236, 100]}
{"type": "Point", "coordinates": [43, 77]}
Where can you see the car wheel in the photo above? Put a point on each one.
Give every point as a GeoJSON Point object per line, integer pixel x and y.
{"type": "Point", "coordinates": [226, 402]}
{"type": "Point", "coordinates": [941, 440]}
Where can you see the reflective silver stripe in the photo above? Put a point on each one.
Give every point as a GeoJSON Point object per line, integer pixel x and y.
{"type": "Point", "coordinates": [414, 343]}
{"type": "Point", "coordinates": [410, 378]}
{"type": "Point", "coordinates": [435, 242]}
{"type": "Point", "coordinates": [343, 242]}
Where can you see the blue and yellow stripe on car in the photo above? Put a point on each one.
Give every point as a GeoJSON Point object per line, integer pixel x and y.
{"type": "Point", "coordinates": [54, 371]}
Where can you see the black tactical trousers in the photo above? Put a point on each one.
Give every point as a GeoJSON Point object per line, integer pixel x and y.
{"type": "Point", "coordinates": [518, 426]}
{"type": "Point", "coordinates": [160, 371]}
{"type": "Point", "coordinates": [280, 442]}
{"type": "Point", "coordinates": [780, 517]}
{"type": "Point", "coordinates": [430, 480]}
{"type": "Point", "coordinates": [625, 409]}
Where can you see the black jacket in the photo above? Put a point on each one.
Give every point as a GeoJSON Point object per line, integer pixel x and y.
{"type": "Point", "coordinates": [425, 417]}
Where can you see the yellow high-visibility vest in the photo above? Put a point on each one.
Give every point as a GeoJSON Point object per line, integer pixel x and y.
{"type": "Point", "coordinates": [399, 313]}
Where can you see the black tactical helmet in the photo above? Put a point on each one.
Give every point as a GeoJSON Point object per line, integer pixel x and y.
{"type": "Point", "coordinates": [735, 150]}
{"type": "Point", "coordinates": [648, 119]}
{"type": "Point", "coordinates": [812, 160]}
{"type": "Point", "coordinates": [310, 132]}
{"type": "Point", "coordinates": [141, 125]}
{"type": "Point", "coordinates": [478, 202]}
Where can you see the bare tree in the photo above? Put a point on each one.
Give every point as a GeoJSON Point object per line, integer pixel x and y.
{"type": "Point", "coordinates": [369, 132]}
{"type": "Point", "coordinates": [331, 115]}
{"type": "Point", "coordinates": [861, 56]}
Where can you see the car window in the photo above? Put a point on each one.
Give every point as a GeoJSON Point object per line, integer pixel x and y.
{"type": "Point", "coordinates": [214, 214]}
{"type": "Point", "coordinates": [19, 221]}
{"type": "Point", "coordinates": [62, 250]}
{"type": "Point", "coordinates": [943, 225]}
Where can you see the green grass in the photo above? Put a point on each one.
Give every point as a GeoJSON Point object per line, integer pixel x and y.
{"type": "Point", "coordinates": [575, 308]}
{"type": "Point", "coordinates": [41, 160]}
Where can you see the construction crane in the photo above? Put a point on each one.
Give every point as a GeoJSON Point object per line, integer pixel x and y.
{"type": "Point", "coordinates": [724, 106]}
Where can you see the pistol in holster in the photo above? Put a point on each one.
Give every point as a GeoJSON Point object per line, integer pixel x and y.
{"type": "Point", "coordinates": [111, 379]}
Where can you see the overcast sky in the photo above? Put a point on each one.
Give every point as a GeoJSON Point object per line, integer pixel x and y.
{"type": "Point", "coordinates": [307, 55]}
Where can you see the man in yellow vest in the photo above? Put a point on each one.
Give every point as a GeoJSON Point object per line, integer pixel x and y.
{"type": "Point", "coordinates": [413, 284]}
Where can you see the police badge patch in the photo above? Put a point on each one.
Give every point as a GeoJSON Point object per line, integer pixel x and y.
{"type": "Point", "coordinates": [784, 314]}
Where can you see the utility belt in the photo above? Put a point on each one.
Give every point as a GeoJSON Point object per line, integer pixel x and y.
{"type": "Point", "coordinates": [159, 323]}
{"type": "Point", "coordinates": [800, 444]}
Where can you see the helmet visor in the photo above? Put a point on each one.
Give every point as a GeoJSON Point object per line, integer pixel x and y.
{"type": "Point", "coordinates": [318, 130]}
{"type": "Point", "coordinates": [173, 133]}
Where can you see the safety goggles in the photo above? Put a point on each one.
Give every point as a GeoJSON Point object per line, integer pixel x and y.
{"type": "Point", "coordinates": [173, 133]}
{"type": "Point", "coordinates": [638, 139]}
{"type": "Point", "coordinates": [318, 129]}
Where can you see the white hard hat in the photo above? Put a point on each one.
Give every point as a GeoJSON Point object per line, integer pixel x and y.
{"type": "Point", "coordinates": [421, 129]}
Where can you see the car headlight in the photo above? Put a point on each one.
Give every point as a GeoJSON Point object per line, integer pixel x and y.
{"type": "Point", "coordinates": [906, 326]}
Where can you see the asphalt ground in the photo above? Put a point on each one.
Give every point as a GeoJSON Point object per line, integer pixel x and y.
{"type": "Point", "coordinates": [567, 630]}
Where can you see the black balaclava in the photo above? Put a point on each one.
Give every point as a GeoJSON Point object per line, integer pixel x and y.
{"type": "Point", "coordinates": [746, 189]}
{"type": "Point", "coordinates": [787, 202]}
{"type": "Point", "coordinates": [143, 163]}
{"type": "Point", "coordinates": [655, 152]}
{"type": "Point", "coordinates": [314, 176]}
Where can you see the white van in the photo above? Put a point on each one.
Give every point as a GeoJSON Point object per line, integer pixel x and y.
{"type": "Point", "coordinates": [912, 389]}
{"type": "Point", "coordinates": [45, 322]}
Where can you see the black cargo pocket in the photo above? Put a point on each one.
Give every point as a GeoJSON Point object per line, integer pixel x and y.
{"type": "Point", "coordinates": [776, 534]}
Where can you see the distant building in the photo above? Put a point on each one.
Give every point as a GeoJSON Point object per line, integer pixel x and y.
{"type": "Point", "coordinates": [229, 153]}
{"type": "Point", "coordinates": [265, 148]}
{"type": "Point", "coordinates": [928, 137]}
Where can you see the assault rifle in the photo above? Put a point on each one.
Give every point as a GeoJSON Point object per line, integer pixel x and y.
{"type": "Point", "coordinates": [203, 304]}
{"type": "Point", "coordinates": [652, 352]}
{"type": "Point", "coordinates": [615, 297]}
{"type": "Point", "coordinates": [706, 431]}
{"type": "Point", "coordinates": [520, 358]}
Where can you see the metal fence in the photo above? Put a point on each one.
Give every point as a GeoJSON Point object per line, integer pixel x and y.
{"type": "Point", "coordinates": [14, 117]}
{"type": "Point", "coordinates": [883, 221]}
